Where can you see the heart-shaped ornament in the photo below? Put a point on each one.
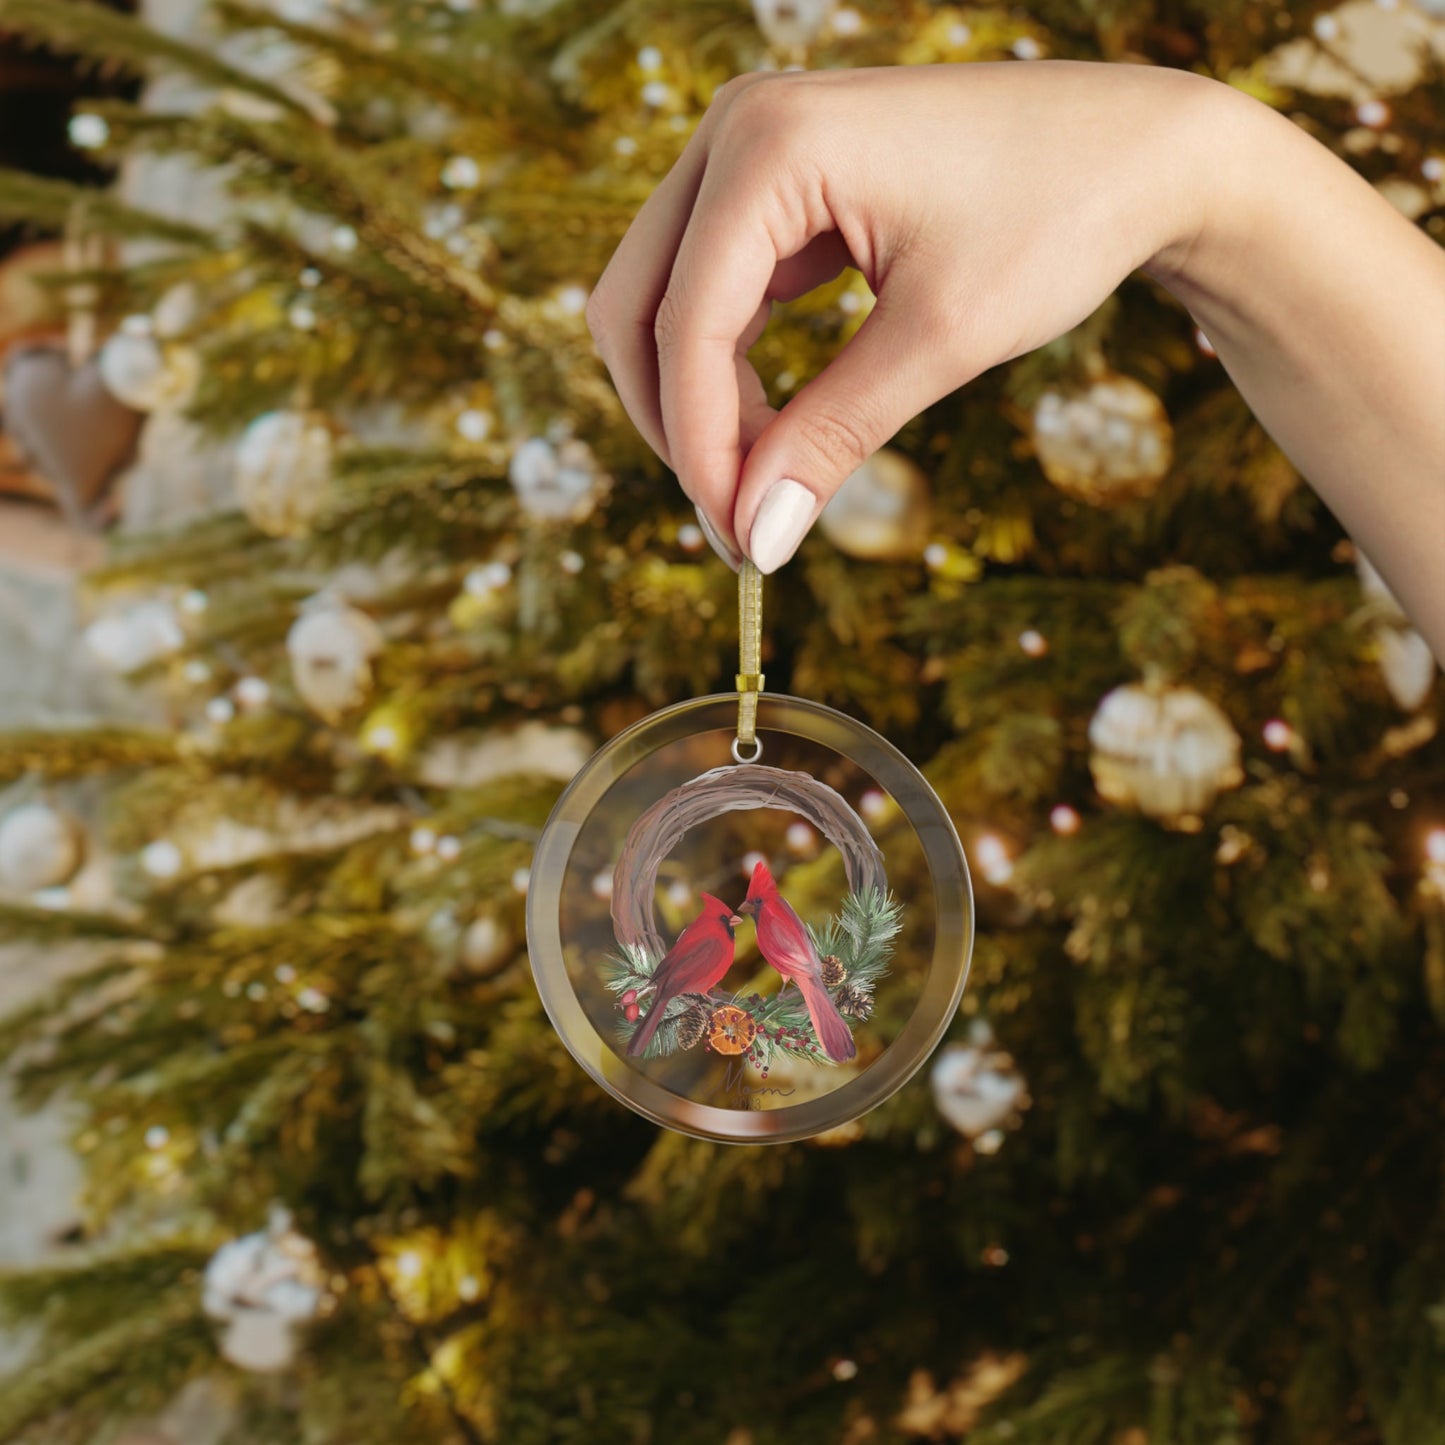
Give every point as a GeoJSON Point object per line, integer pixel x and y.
{"type": "Point", "coordinates": [68, 426]}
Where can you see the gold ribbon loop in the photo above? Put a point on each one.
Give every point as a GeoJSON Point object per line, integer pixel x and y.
{"type": "Point", "coordinates": [750, 659]}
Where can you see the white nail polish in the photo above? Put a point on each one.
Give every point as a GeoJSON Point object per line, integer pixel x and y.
{"type": "Point", "coordinates": [782, 522]}
{"type": "Point", "coordinates": [715, 541]}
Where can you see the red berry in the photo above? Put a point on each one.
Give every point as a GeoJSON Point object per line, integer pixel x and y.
{"type": "Point", "coordinates": [630, 996]}
{"type": "Point", "coordinates": [631, 1011]}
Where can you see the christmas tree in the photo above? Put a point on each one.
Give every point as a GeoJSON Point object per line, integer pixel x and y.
{"type": "Point", "coordinates": [1176, 1177]}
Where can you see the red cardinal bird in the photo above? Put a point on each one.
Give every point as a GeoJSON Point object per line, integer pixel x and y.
{"type": "Point", "coordinates": [702, 954]}
{"type": "Point", "coordinates": [787, 945]}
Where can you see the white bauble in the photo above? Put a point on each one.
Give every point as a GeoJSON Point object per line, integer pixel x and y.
{"type": "Point", "coordinates": [976, 1086]}
{"type": "Point", "coordinates": [263, 1286]}
{"type": "Point", "coordinates": [1406, 661]}
{"type": "Point", "coordinates": [1165, 751]}
{"type": "Point", "coordinates": [554, 483]}
{"type": "Point", "coordinates": [882, 510]}
{"type": "Point", "coordinates": [486, 946]}
{"type": "Point", "coordinates": [259, 1341]}
{"type": "Point", "coordinates": [40, 847]}
{"type": "Point", "coordinates": [135, 637]}
{"type": "Point", "coordinates": [149, 375]}
{"type": "Point", "coordinates": [470, 760]}
{"type": "Point", "coordinates": [1108, 443]}
{"type": "Point", "coordinates": [331, 647]}
{"type": "Point", "coordinates": [283, 470]}
{"type": "Point", "coordinates": [792, 24]}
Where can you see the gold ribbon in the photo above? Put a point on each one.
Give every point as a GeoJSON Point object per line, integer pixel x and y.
{"type": "Point", "coordinates": [750, 661]}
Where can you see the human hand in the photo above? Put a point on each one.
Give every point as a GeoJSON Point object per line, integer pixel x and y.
{"type": "Point", "coordinates": [990, 208]}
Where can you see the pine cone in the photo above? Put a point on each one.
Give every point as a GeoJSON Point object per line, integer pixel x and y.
{"type": "Point", "coordinates": [833, 971]}
{"type": "Point", "coordinates": [692, 1025]}
{"type": "Point", "coordinates": [855, 1002]}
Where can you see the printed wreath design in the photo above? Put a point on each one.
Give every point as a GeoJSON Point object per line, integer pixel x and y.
{"type": "Point", "coordinates": [855, 945]}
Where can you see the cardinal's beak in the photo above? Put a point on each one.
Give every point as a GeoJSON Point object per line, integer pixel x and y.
{"type": "Point", "coordinates": [734, 921]}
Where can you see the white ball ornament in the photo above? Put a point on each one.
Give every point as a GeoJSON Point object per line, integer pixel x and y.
{"type": "Point", "coordinates": [486, 946]}
{"type": "Point", "coordinates": [1108, 443]}
{"type": "Point", "coordinates": [283, 470]}
{"type": "Point", "coordinates": [977, 1088]}
{"type": "Point", "coordinates": [792, 25]}
{"type": "Point", "coordinates": [40, 847]}
{"type": "Point", "coordinates": [554, 482]}
{"type": "Point", "coordinates": [145, 373]}
{"type": "Point", "coordinates": [331, 647]}
{"type": "Point", "coordinates": [882, 512]}
{"type": "Point", "coordinates": [263, 1287]}
{"type": "Point", "coordinates": [1165, 751]}
{"type": "Point", "coordinates": [1406, 662]}
{"type": "Point", "coordinates": [136, 637]}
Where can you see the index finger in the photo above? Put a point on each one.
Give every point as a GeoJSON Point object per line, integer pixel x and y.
{"type": "Point", "coordinates": [717, 291]}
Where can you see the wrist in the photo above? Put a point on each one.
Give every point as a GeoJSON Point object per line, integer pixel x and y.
{"type": "Point", "coordinates": [1220, 146]}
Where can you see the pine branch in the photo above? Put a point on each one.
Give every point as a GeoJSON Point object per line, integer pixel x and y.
{"type": "Point", "coordinates": [61, 753]}
{"type": "Point", "coordinates": [119, 41]}
{"type": "Point", "coordinates": [52, 204]}
{"type": "Point", "coordinates": [506, 90]}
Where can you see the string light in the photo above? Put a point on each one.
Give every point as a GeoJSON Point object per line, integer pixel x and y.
{"type": "Point", "coordinates": [1064, 820]}
{"type": "Point", "coordinates": [873, 805]}
{"type": "Point", "coordinates": [1278, 735]}
{"type": "Point", "coordinates": [491, 577]}
{"type": "Point", "coordinates": [161, 859]}
{"type": "Point", "coordinates": [1435, 846]}
{"type": "Point", "coordinates": [1033, 642]}
{"type": "Point", "coordinates": [88, 132]}
{"type": "Point", "coordinates": [220, 710]}
{"type": "Point", "coordinates": [474, 425]}
{"type": "Point", "coordinates": [461, 173]}
{"type": "Point", "coordinates": [252, 692]}
{"type": "Point", "coordinates": [381, 739]}
{"type": "Point", "coordinates": [449, 848]}
{"type": "Point", "coordinates": [752, 859]}
{"type": "Point", "coordinates": [602, 885]}
{"type": "Point", "coordinates": [423, 840]}
{"type": "Point", "coordinates": [993, 859]}
{"type": "Point", "coordinates": [801, 838]}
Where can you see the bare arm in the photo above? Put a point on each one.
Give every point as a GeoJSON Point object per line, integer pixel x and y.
{"type": "Point", "coordinates": [1059, 179]}
{"type": "Point", "coordinates": [1327, 308]}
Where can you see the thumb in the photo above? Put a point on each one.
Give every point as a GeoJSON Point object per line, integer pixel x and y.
{"type": "Point", "coordinates": [899, 362]}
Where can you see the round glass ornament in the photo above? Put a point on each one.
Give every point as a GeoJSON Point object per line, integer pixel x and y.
{"type": "Point", "coordinates": [795, 920]}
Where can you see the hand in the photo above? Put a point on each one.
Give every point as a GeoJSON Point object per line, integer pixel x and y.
{"type": "Point", "coordinates": [989, 207]}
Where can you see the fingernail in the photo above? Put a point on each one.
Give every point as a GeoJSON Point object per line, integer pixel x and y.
{"type": "Point", "coordinates": [781, 524]}
{"type": "Point", "coordinates": [715, 541]}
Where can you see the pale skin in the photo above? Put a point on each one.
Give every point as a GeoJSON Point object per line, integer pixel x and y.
{"type": "Point", "coordinates": [991, 208]}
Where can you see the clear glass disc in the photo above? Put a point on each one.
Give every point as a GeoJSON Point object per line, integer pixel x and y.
{"type": "Point", "coordinates": [646, 892]}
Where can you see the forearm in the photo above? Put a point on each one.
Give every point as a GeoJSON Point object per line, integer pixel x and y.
{"type": "Point", "coordinates": [1327, 308]}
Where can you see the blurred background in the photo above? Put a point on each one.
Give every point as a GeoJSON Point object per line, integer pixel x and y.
{"type": "Point", "coordinates": [327, 556]}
